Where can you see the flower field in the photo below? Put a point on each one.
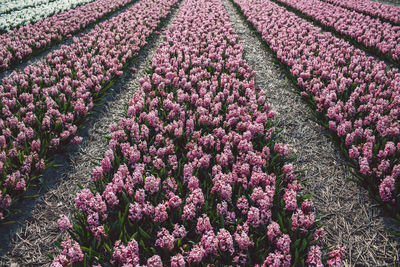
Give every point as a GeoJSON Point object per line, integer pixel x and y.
{"type": "Point", "coordinates": [355, 96]}
{"type": "Point", "coordinates": [36, 12]}
{"type": "Point", "coordinates": [8, 6]}
{"type": "Point", "coordinates": [382, 37]}
{"type": "Point", "coordinates": [42, 105]}
{"type": "Point", "coordinates": [30, 39]}
{"type": "Point", "coordinates": [386, 12]}
{"type": "Point", "coordinates": [196, 172]}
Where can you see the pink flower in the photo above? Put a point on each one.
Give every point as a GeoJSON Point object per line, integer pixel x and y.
{"type": "Point", "coordinates": [97, 174]}
{"type": "Point", "coordinates": [165, 239]}
{"type": "Point", "coordinates": [277, 259]}
{"type": "Point", "coordinates": [178, 261]}
{"type": "Point", "coordinates": [225, 241]}
{"type": "Point", "coordinates": [135, 212]}
{"type": "Point", "coordinates": [5, 201]}
{"type": "Point", "coordinates": [282, 149]}
{"type": "Point", "coordinates": [126, 254]}
{"type": "Point", "coordinates": [283, 243]}
{"type": "Point", "coordinates": [76, 140]}
{"type": "Point", "coordinates": [288, 170]}
{"type": "Point", "coordinates": [290, 200]}
{"type": "Point", "coordinates": [152, 184]}
{"type": "Point", "coordinates": [314, 256]}
{"type": "Point", "coordinates": [273, 231]}
{"type": "Point", "coordinates": [386, 188]}
{"type": "Point", "coordinates": [210, 243]}
{"type": "Point", "coordinates": [243, 204]}
{"type": "Point", "coordinates": [253, 216]}
{"type": "Point", "coordinates": [72, 250]}
{"type": "Point", "coordinates": [179, 231]}
{"type": "Point", "coordinates": [203, 224]}
{"type": "Point", "coordinates": [63, 223]}
{"type": "Point", "coordinates": [336, 257]}
{"type": "Point", "coordinates": [154, 261]}
{"type": "Point", "coordinates": [242, 238]}
{"type": "Point", "coordinates": [160, 213]}
{"type": "Point", "coordinates": [196, 254]}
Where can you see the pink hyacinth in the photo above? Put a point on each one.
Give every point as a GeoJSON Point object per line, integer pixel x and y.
{"type": "Point", "coordinates": [314, 256]}
{"type": "Point", "coordinates": [128, 254]}
{"type": "Point", "coordinates": [63, 223]}
{"type": "Point", "coordinates": [386, 188]}
{"type": "Point", "coordinates": [151, 184]}
{"type": "Point", "coordinates": [273, 231]}
{"type": "Point", "coordinates": [178, 261]}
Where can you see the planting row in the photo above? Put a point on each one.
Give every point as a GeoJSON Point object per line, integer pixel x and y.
{"type": "Point", "coordinates": [36, 13]}
{"type": "Point", "coordinates": [27, 40]}
{"type": "Point", "coordinates": [18, 5]}
{"type": "Point", "coordinates": [194, 173]}
{"type": "Point", "coordinates": [356, 96]}
{"type": "Point", "coordinates": [41, 107]}
{"type": "Point", "coordinates": [384, 11]}
{"type": "Point", "coordinates": [382, 37]}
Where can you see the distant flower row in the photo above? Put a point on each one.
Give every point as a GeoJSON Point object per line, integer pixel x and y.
{"type": "Point", "coordinates": [385, 11]}
{"type": "Point", "coordinates": [36, 13]}
{"type": "Point", "coordinates": [41, 106]}
{"type": "Point", "coordinates": [357, 97]}
{"type": "Point", "coordinates": [194, 174]}
{"type": "Point", "coordinates": [8, 6]}
{"type": "Point", "coordinates": [370, 32]}
{"type": "Point", "coordinates": [24, 41]}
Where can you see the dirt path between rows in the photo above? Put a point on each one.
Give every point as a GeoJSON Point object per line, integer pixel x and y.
{"type": "Point", "coordinates": [345, 208]}
{"type": "Point", "coordinates": [37, 231]}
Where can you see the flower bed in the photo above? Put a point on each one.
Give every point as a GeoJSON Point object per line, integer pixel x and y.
{"type": "Point", "coordinates": [36, 13]}
{"type": "Point", "coordinates": [8, 6]}
{"type": "Point", "coordinates": [41, 107]}
{"type": "Point", "coordinates": [379, 37]}
{"type": "Point", "coordinates": [383, 11]}
{"type": "Point", "coordinates": [195, 174]}
{"type": "Point", "coordinates": [355, 96]}
{"type": "Point", "coordinates": [30, 39]}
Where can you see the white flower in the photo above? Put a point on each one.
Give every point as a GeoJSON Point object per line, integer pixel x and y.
{"type": "Point", "coordinates": [38, 12]}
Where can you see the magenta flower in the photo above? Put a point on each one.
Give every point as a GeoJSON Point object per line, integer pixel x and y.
{"type": "Point", "coordinates": [63, 223]}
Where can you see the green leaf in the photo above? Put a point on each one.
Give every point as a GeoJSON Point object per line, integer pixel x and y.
{"type": "Point", "coordinates": [107, 247]}
{"type": "Point", "coordinates": [32, 196]}
{"type": "Point", "coordinates": [144, 246]}
{"type": "Point", "coordinates": [9, 222]}
{"type": "Point", "coordinates": [394, 233]}
{"type": "Point", "coordinates": [296, 257]}
{"type": "Point", "coordinates": [303, 245]}
{"type": "Point", "coordinates": [296, 243]}
{"type": "Point", "coordinates": [144, 234]}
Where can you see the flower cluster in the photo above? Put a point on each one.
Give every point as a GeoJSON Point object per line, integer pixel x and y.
{"type": "Point", "coordinates": [24, 41]}
{"type": "Point", "coordinates": [11, 5]}
{"type": "Point", "coordinates": [41, 107]}
{"type": "Point", "coordinates": [37, 12]}
{"type": "Point", "coordinates": [374, 34]}
{"type": "Point", "coordinates": [356, 96]}
{"type": "Point", "coordinates": [195, 172]}
{"type": "Point", "coordinates": [71, 253]}
{"type": "Point", "coordinates": [384, 11]}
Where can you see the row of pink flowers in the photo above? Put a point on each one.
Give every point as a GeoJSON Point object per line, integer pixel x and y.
{"type": "Point", "coordinates": [370, 32]}
{"type": "Point", "coordinates": [21, 42]}
{"type": "Point", "coordinates": [384, 11]}
{"type": "Point", "coordinates": [41, 106]}
{"type": "Point", "coordinates": [358, 96]}
{"type": "Point", "coordinates": [195, 166]}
